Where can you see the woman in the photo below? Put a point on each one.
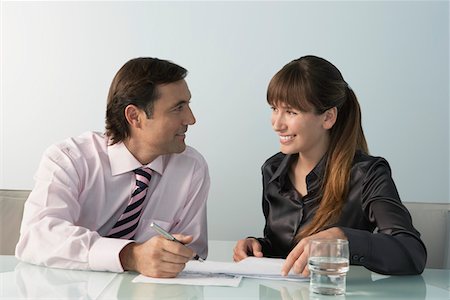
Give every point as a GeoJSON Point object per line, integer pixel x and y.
{"type": "Point", "coordinates": [324, 184]}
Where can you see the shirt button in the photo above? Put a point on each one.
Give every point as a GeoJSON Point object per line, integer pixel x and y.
{"type": "Point", "coordinates": [355, 256]}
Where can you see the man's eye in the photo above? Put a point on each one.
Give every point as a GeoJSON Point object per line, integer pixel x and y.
{"type": "Point", "coordinates": [274, 108]}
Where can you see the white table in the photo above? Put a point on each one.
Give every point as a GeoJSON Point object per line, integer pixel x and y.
{"type": "Point", "coordinates": [23, 281]}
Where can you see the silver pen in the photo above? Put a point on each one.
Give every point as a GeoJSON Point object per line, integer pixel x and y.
{"type": "Point", "coordinates": [170, 237]}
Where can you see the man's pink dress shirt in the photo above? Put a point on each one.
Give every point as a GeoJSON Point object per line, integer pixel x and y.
{"type": "Point", "coordinates": [82, 187]}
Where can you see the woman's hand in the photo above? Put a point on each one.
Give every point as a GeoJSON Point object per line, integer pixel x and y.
{"type": "Point", "coordinates": [297, 260]}
{"type": "Point", "coordinates": [247, 247]}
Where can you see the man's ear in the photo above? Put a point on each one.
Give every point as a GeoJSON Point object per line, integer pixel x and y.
{"type": "Point", "coordinates": [132, 114]}
{"type": "Point", "coordinates": [330, 117]}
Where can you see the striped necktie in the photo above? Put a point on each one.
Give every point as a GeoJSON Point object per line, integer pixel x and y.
{"type": "Point", "coordinates": [127, 224]}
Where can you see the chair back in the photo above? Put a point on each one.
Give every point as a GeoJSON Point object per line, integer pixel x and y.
{"type": "Point", "coordinates": [11, 212]}
{"type": "Point", "coordinates": [432, 220]}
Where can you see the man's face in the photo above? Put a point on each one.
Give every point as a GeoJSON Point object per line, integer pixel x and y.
{"type": "Point", "coordinates": [165, 131]}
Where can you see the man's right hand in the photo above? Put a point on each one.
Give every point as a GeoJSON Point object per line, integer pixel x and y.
{"type": "Point", "coordinates": [157, 257]}
{"type": "Point", "coordinates": [247, 247]}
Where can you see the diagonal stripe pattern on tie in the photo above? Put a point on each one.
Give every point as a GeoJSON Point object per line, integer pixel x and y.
{"type": "Point", "coordinates": [126, 226]}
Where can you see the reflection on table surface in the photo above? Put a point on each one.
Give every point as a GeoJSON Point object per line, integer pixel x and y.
{"type": "Point", "coordinates": [24, 281]}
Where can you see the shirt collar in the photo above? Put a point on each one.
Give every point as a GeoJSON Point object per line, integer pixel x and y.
{"type": "Point", "coordinates": [283, 168]}
{"type": "Point", "coordinates": [319, 169]}
{"type": "Point", "coordinates": [122, 161]}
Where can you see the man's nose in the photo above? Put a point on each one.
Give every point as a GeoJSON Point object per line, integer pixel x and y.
{"type": "Point", "coordinates": [190, 118]}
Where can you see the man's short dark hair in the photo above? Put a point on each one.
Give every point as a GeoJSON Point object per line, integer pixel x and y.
{"type": "Point", "coordinates": [137, 83]}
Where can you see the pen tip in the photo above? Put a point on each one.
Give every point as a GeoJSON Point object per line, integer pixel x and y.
{"type": "Point", "coordinates": [197, 257]}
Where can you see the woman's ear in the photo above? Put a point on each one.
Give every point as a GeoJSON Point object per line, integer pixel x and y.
{"type": "Point", "coordinates": [330, 116]}
{"type": "Point", "coordinates": [132, 114]}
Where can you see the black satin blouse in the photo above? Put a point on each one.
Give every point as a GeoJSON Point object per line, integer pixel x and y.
{"type": "Point", "coordinates": [378, 226]}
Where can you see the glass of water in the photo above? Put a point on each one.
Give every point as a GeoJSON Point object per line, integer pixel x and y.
{"type": "Point", "coordinates": [328, 266]}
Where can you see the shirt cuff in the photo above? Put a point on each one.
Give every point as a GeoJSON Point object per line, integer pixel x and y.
{"type": "Point", "coordinates": [359, 244]}
{"type": "Point", "coordinates": [104, 254]}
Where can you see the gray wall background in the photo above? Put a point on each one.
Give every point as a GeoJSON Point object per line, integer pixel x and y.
{"type": "Point", "coordinates": [58, 59]}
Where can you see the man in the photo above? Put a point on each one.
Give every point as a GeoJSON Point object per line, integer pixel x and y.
{"type": "Point", "coordinates": [97, 194]}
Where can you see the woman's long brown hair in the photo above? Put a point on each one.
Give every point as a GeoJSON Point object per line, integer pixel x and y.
{"type": "Point", "coordinates": [313, 84]}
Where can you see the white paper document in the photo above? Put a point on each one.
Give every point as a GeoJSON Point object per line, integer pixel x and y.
{"type": "Point", "coordinates": [190, 278]}
{"type": "Point", "coordinates": [227, 273]}
{"type": "Point", "coordinates": [254, 267]}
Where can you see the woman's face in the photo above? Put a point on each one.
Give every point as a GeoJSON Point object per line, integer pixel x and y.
{"type": "Point", "coordinates": [300, 132]}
